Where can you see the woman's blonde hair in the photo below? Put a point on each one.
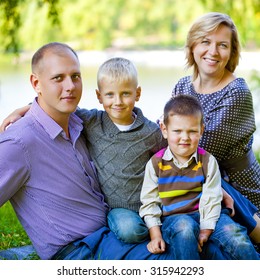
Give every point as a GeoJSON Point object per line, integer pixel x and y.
{"type": "Point", "coordinates": [206, 24]}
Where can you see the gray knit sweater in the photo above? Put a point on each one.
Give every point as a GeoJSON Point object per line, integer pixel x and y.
{"type": "Point", "coordinates": [120, 156]}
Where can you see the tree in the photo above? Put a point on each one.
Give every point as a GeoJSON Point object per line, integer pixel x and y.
{"type": "Point", "coordinates": [11, 20]}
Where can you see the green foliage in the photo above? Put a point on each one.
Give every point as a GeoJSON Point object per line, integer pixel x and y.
{"type": "Point", "coordinates": [258, 156]}
{"type": "Point", "coordinates": [88, 24]}
{"type": "Point", "coordinates": [10, 14]}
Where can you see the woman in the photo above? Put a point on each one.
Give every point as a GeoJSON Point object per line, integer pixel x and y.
{"type": "Point", "coordinates": [213, 50]}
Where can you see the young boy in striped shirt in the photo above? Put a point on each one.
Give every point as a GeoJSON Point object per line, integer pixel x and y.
{"type": "Point", "coordinates": [181, 193]}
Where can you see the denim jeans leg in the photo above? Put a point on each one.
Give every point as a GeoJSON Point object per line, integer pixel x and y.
{"type": "Point", "coordinates": [127, 225]}
{"type": "Point", "coordinates": [233, 240]}
{"type": "Point", "coordinates": [18, 253]}
{"type": "Point", "coordinates": [181, 233]}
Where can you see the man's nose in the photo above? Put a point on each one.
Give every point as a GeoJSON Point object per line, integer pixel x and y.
{"type": "Point", "coordinates": [69, 84]}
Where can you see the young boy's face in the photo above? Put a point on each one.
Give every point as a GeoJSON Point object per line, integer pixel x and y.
{"type": "Point", "coordinates": [118, 99]}
{"type": "Point", "coordinates": [183, 134]}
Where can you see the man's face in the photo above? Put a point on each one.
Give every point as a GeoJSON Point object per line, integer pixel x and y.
{"type": "Point", "coordinates": [57, 80]}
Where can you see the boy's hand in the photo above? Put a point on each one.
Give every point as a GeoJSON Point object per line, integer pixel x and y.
{"type": "Point", "coordinates": [9, 120]}
{"type": "Point", "coordinates": [203, 237]}
{"type": "Point", "coordinates": [156, 246]}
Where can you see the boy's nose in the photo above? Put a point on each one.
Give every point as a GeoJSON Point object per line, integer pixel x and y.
{"type": "Point", "coordinates": [118, 99]}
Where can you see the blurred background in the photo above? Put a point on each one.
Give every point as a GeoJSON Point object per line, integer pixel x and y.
{"type": "Point", "coordinates": [151, 33]}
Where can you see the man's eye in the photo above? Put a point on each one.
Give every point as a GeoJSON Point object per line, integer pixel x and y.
{"type": "Point", "coordinates": [76, 77]}
{"type": "Point", "coordinates": [57, 78]}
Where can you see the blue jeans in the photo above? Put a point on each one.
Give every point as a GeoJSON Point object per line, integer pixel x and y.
{"type": "Point", "coordinates": [18, 253]}
{"type": "Point", "coordinates": [127, 225]}
{"type": "Point", "coordinates": [181, 233]}
{"type": "Point", "coordinates": [244, 209]}
{"type": "Point", "coordinates": [104, 245]}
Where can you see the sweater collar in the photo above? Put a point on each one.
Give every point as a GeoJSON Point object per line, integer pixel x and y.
{"type": "Point", "coordinates": [114, 129]}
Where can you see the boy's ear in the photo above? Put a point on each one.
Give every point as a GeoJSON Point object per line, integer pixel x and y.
{"type": "Point", "coordinates": [138, 93]}
{"type": "Point", "coordinates": [99, 96]}
{"type": "Point", "coordinates": [35, 83]}
{"type": "Point", "coordinates": [202, 129]}
{"type": "Point", "coordinates": [163, 130]}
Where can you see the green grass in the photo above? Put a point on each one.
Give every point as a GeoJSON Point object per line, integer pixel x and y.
{"type": "Point", "coordinates": [12, 233]}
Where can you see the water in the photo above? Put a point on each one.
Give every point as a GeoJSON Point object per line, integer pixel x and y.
{"type": "Point", "coordinates": [158, 72]}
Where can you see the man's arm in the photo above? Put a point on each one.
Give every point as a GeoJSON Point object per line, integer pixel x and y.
{"type": "Point", "coordinates": [14, 168]}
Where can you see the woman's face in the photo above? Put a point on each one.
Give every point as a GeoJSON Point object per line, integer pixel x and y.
{"type": "Point", "coordinates": [212, 52]}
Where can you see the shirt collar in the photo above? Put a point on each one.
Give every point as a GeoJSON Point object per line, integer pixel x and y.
{"type": "Point", "coordinates": [50, 126]}
{"type": "Point", "coordinates": [168, 156]}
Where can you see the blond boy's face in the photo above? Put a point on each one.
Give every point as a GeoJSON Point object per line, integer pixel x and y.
{"type": "Point", "coordinates": [118, 99]}
{"type": "Point", "coordinates": [183, 134]}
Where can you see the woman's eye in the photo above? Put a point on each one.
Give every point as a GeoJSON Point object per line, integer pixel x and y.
{"type": "Point", "coordinates": [223, 45]}
{"type": "Point", "coordinates": [205, 42]}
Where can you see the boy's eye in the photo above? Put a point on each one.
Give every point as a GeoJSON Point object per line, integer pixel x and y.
{"type": "Point", "coordinates": [126, 93]}
{"type": "Point", "coordinates": [109, 94]}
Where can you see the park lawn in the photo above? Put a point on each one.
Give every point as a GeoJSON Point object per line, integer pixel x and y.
{"type": "Point", "coordinates": [12, 233]}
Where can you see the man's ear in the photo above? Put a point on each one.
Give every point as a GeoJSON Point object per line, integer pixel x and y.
{"type": "Point", "coordinates": [35, 83]}
{"type": "Point", "coordinates": [99, 96]}
{"type": "Point", "coordinates": [163, 130]}
{"type": "Point", "coordinates": [138, 93]}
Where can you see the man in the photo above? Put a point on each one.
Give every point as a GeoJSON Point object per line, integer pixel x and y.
{"type": "Point", "coordinates": [47, 174]}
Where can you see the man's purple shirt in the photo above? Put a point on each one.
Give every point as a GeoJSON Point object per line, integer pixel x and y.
{"type": "Point", "coordinates": [50, 181]}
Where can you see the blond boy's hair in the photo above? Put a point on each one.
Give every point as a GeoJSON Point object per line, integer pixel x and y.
{"type": "Point", "coordinates": [117, 68]}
